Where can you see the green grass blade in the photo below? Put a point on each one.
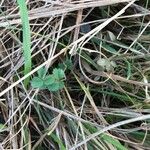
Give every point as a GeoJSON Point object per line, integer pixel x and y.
{"type": "Point", "coordinates": [107, 138]}
{"type": "Point", "coordinates": [58, 141]}
{"type": "Point", "coordinates": [129, 69]}
{"type": "Point", "coordinates": [26, 38]}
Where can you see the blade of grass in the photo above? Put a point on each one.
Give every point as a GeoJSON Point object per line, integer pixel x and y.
{"type": "Point", "coordinates": [26, 38]}
{"type": "Point", "coordinates": [124, 122]}
{"type": "Point", "coordinates": [58, 141]}
{"type": "Point", "coordinates": [107, 138]}
{"type": "Point", "coordinates": [128, 69]}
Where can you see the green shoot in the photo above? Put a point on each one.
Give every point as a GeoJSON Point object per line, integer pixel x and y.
{"type": "Point", "coordinates": [53, 82]}
{"type": "Point", "coordinates": [26, 39]}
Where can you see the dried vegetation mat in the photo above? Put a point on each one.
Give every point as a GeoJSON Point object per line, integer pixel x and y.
{"type": "Point", "coordinates": [74, 74]}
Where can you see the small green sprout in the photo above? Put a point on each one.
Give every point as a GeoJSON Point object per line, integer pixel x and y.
{"type": "Point", "coordinates": [52, 82]}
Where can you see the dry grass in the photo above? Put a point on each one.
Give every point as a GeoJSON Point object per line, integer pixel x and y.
{"type": "Point", "coordinates": [102, 106]}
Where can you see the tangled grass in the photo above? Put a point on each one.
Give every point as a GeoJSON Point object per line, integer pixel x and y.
{"type": "Point", "coordinates": [103, 48]}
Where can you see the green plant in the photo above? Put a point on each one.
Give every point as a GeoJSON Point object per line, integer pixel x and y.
{"type": "Point", "coordinates": [26, 39]}
{"type": "Point", "coordinates": [3, 127]}
{"type": "Point", "coordinates": [66, 65]}
{"type": "Point", "coordinates": [52, 82]}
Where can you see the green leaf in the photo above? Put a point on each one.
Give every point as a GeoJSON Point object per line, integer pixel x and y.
{"type": "Point", "coordinates": [102, 62]}
{"type": "Point", "coordinates": [129, 69]}
{"type": "Point", "coordinates": [2, 127]}
{"type": "Point", "coordinates": [41, 72]}
{"type": "Point", "coordinates": [62, 66]}
{"type": "Point", "coordinates": [56, 86]}
{"type": "Point", "coordinates": [107, 138]}
{"type": "Point", "coordinates": [58, 74]}
{"type": "Point", "coordinates": [50, 79]}
{"type": "Point", "coordinates": [61, 85]}
{"type": "Point", "coordinates": [106, 64]}
{"type": "Point", "coordinates": [37, 82]}
{"type": "Point", "coordinates": [66, 65]}
{"type": "Point", "coordinates": [114, 142]}
{"type": "Point", "coordinates": [26, 39]}
{"type": "Point", "coordinates": [57, 140]}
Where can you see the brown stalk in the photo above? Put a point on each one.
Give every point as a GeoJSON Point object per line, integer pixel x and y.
{"type": "Point", "coordinates": [111, 76]}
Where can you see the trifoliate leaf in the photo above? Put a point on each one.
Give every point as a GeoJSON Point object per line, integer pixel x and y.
{"type": "Point", "coordinates": [37, 82]}
{"type": "Point", "coordinates": [58, 74]}
{"type": "Point", "coordinates": [56, 86]}
{"type": "Point", "coordinates": [106, 64]}
{"type": "Point", "coordinates": [49, 79]}
{"type": "Point", "coordinates": [41, 72]}
{"type": "Point", "coordinates": [102, 62]}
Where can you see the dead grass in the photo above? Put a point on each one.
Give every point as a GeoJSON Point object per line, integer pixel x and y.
{"type": "Point", "coordinates": [102, 106]}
